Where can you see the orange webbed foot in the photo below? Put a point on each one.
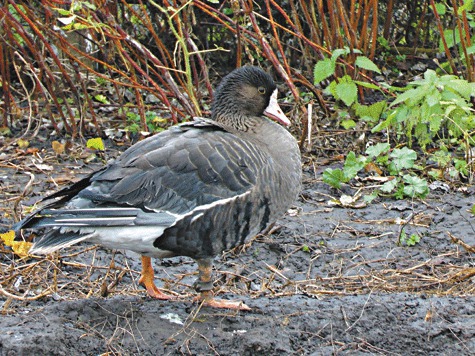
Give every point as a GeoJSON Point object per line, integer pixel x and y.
{"type": "Point", "coordinates": [147, 280]}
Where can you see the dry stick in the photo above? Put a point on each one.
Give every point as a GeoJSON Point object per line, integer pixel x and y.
{"type": "Point", "coordinates": [27, 95]}
{"type": "Point", "coordinates": [24, 298]}
{"type": "Point", "coordinates": [25, 192]}
{"type": "Point", "coordinates": [460, 242]}
{"type": "Point", "coordinates": [309, 125]}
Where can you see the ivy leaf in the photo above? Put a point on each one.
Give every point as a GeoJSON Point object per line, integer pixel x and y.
{"type": "Point", "coordinates": [366, 63]}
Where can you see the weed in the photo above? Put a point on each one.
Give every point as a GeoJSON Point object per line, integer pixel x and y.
{"type": "Point", "coordinates": [398, 164]}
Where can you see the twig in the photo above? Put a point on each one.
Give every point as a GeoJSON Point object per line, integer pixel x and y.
{"type": "Point", "coordinates": [460, 242]}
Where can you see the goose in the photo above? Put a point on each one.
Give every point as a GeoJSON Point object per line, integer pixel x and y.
{"type": "Point", "coordinates": [197, 189]}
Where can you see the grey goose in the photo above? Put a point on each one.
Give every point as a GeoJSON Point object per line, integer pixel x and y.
{"type": "Point", "coordinates": [196, 189]}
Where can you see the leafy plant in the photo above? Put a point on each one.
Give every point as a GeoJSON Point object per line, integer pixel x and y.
{"type": "Point", "coordinates": [344, 88]}
{"type": "Point", "coordinates": [411, 240]}
{"type": "Point", "coordinates": [154, 122]}
{"type": "Point", "coordinates": [432, 108]}
{"type": "Point", "coordinates": [398, 163]}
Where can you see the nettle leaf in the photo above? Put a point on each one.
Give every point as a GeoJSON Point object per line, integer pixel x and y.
{"type": "Point", "coordinates": [366, 63]}
{"type": "Point", "coordinates": [339, 52]}
{"type": "Point", "coordinates": [322, 70]}
{"type": "Point", "coordinates": [452, 37]}
{"type": "Point", "coordinates": [405, 96]}
{"type": "Point", "coordinates": [433, 98]}
{"type": "Point", "coordinates": [462, 87]}
{"type": "Point", "coordinates": [367, 85]}
{"type": "Point", "coordinates": [415, 186]}
{"type": "Point", "coordinates": [374, 110]}
{"type": "Point", "coordinates": [347, 91]}
{"type": "Point", "coordinates": [403, 158]}
{"type": "Point", "coordinates": [334, 177]}
{"type": "Point", "coordinates": [101, 98]}
{"type": "Point", "coordinates": [378, 149]}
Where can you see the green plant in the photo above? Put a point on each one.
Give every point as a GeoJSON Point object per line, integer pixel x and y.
{"type": "Point", "coordinates": [398, 163]}
{"type": "Point", "coordinates": [411, 240]}
{"type": "Point", "coordinates": [154, 122]}
{"type": "Point", "coordinates": [344, 88]}
{"type": "Point", "coordinates": [433, 107]}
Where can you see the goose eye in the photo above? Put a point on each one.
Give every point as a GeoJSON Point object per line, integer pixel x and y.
{"type": "Point", "coordinates": [261, 90]}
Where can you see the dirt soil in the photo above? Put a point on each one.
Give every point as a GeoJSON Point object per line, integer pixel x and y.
{"type": "Point", "coordinates": [328, 280]}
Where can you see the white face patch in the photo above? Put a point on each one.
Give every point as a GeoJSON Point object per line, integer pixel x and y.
{"type": "Point", "coordinates": [274, 111]}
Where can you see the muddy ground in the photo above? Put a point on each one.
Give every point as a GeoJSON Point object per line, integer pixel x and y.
{"type": "Point", "coordinates": [327, 280]}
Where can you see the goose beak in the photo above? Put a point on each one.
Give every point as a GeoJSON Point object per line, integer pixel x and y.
{"type": "Point", "coordinates": [274, 112]}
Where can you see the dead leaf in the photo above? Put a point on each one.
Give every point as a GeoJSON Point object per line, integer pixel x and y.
{"type": "Point", "coordinates": [373, 168]}
{"type": "Point", "coordinates": [95, 144]}
{"type": "Point", "coordinates": [58, 147]}
{"type": "Point", "coordinates": [23, 143]}
{"type": "Point", "coordinates": [20, 248]}
{"type": "Point", "coordinates": [32, 151]}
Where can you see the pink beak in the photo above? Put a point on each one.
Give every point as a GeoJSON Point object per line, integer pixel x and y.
{"type": "Point", "coordinates": [273, 111]}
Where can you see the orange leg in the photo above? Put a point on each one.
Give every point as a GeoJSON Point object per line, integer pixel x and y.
{"type": "Point", "coordinates": [204, 286]}
{"type": "Point", "coordinates": [146, 280]}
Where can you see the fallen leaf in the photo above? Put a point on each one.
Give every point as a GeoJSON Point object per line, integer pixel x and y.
{"type": "Point", "coordinates": [95, 143]}
{"type": "Point", "coordinates": [23, 143]}
{"type": "Point", "coordinates": [20, 248]}
{"type": "Point", "coordinates": [58, 147]}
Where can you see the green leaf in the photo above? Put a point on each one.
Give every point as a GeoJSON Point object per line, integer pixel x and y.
{"type": "Point", "coordinates": [334, 177]}
{"type": "Point", "coordinates": [101, 98]}
{"type": "Point", "coordinates": [348, 124]}
{"type": "Point", "coordinates": [373, 110]}
{"type": "Point", "coordinates": [433, 97]}
{"type": "Point", "coordinates": [347, 92]}
{"type": "Point", "coordinates": [322, 70]}
{"type": "Point", "coordinates": [452, 38]}
{"type": "Point", "coordinates": [370, 197]}
{"type": "Point", "coordinates": [339, 52]}
{"type": "Point", "coordinates": [353, 165]}
{"type": "Point", "coordinates": [95, 143]}
{"type": "Point", "coordinates": [389, 186]}
{"type": "Point", "coordinates": [467, 6]}
{"type": "Point", "coordinates": [410, 94]}
{"type": "Point", "coordinates": [366, 63]}
{"type": "Point", "coordinates": [413, 240]}
{"type": "Point", "coordinates": [415, 186]}
{"type": "Point", "coordinates": [367, 85]}
{"type": "Point", "coordinates": [377, 149]}
{"type": "Point", "coordinates": [440, 8]}
{"type": "Point", "coordinates": [403, 158]}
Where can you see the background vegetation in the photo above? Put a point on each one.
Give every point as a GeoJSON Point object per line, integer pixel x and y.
{"type": "Point", "coordinates": [80, 68]}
